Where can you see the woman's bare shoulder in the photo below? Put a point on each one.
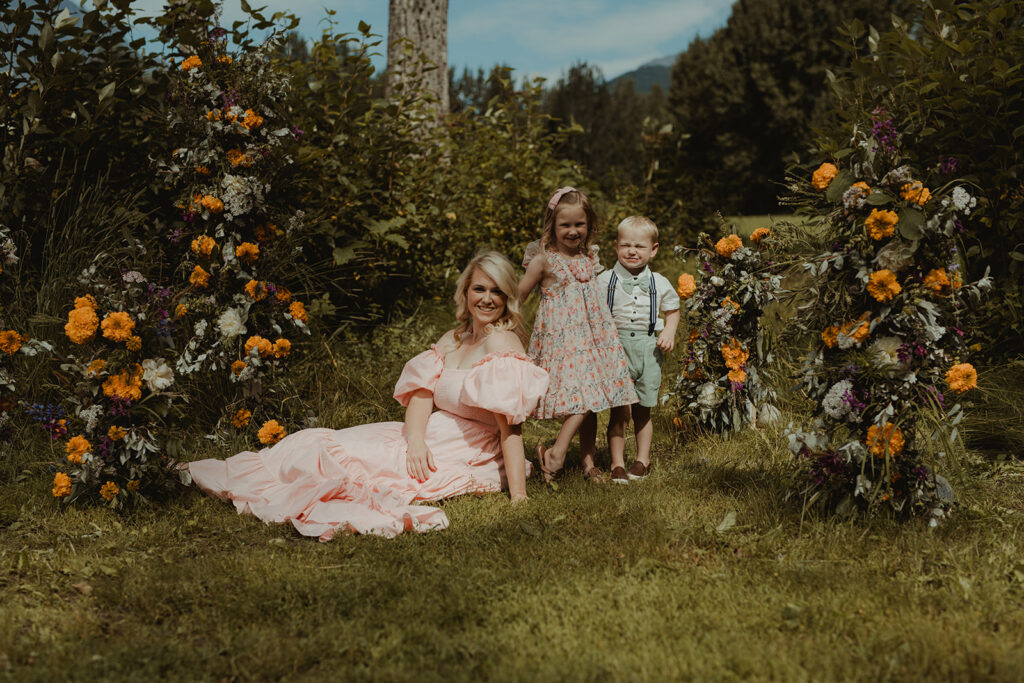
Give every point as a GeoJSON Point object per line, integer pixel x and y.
{"type": "Point", "coordinates": [503, 340]}
{"type": "Point", "coordinates": [447, 342]}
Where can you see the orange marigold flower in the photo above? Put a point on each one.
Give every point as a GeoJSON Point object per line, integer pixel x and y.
{"type": "Point", "coordinates": [81, 325]}
{"type": "Point", "coordinates": [190, 63]}
{"type": "Point", "coordinates": [727, 245]}
{"type": "Point", "coordinates": [830, 336]}
{"type": "Point", "coordinates": [271, 432]}
{"type": "Point", "coordinates": [237, 157]}
{"type": "Point", "coordinates": [256, 289]}
{"type": "Point", "coordinates": [238, 366]}
{"type": "Point", "coordinates": [737, 375]}
{"type": "Point", "coordinates": [241, 418]}
{"type": "Point", "coordinates": [282, 347]}
{"type": "Point", "coordinates": [247, 251]}
{"type": "Point", "coordinates": [686, 286]}
{"type": "Point", "coordinates": [199, 277]}
{"type": "Point", "coordinates": [125, 385]}
{"type": "Point", "coordinates": [203, 245]}
{"type": "Point", "coordinates": [213, 115]}
{"type": "Point", "coordinates": [864, 188]}
{"type": "Point", "coordinates": [734, 355]}
{"type": "Point", "coordinates": [822, 177]}
{"type": "Point", "coordinates": [224, 59]}
{"type": "Point", "coordinates": [76, 447]}
{"type": "Point", "coordinates": [265, 232]}
{"type": "Point", "coordinates": [916, 193]}
{"type": "Point", "coordinates": [180, 310]}
{"type": "Point", "coordinates": [10, 342]}
{"type": "Point", "coordinates": [882, 285]}
{"type": "Point", "coordinates": [283, 295]}
{"type": "Point", "coordinates": [262, 346]}
{"type": "Point", "coordinates": [116, 433]}
{"type": "Point", "coordinates": [938, 281]}
{"type": "Point", "coordinates": [759, 235]}
{"type": "Point", "coordinates": [61, 485]}
{"type": "Point", "coordinates": [678, 422]}
{"type": "Point", "coordinates": [881, 223]}
{"type": "Point", "coordinates": [252, 119]}
{"type": "Point", "coordinates": [727, 302]}
{"type": "Point", "coordinates": [888, 438]}
{"type": "Point", "coordinates": [212, 204]}
{"type": "Point", "coordinates": [134, 343]}
{"type": "Point", "coordinates": [118, 326]}
{"type": "Point", "coordinates": [298, 311]}
{"type": "Point", "coordinates": [87, 301]}
{"type": "Point", "coordinates": [96, 367]}
{"type": "Point", "coordinates": [202, 170]}
{"type": "Point", "coordinates": [962, 377]}
{"type": "Point", "coordinates": [109, 490]}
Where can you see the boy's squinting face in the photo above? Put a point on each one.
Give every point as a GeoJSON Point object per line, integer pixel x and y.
{"type": "Point", "coordinates": [634, 248]}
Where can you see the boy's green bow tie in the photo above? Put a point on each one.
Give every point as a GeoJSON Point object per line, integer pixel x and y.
{"type": "Point", "coordinates": [643, 283]}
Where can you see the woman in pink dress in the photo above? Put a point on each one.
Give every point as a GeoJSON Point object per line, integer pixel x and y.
{"type": "Point", "coordinates": [368, 479]}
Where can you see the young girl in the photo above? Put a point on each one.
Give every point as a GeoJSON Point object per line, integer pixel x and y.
{"type": "Point", "coordinates": [574, 337]}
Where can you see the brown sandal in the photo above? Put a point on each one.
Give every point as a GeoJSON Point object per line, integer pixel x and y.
{"type": "Point", "coordinates": [594, 475]}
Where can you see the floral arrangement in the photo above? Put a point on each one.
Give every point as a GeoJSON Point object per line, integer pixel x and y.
{"type": "Point", "coordinates": [200, 334]}
{"type": "Point", "coordinates": [886, 304]}
{"type": "Point", "coordinates": [721, 383]}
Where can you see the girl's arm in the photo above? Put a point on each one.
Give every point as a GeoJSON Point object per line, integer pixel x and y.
{"type": "Point", "coordinates": [534, 273]}
{"type": "Point", "coordinates": [420, 461]}
{"type": "Point", "coordinates": [515, 458]}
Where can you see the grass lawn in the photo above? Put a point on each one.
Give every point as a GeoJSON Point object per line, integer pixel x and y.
{"type": "Point", "coordinates": [706, 570]}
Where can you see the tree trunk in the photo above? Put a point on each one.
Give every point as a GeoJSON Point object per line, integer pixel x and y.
{"type": "Point", "coordinates": [422, 62]}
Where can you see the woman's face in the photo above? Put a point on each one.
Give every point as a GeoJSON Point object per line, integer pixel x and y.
{"type": "Point", "coordinates": [485, 300]}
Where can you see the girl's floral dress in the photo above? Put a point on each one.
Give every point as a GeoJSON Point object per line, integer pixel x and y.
{"type": "Point", "coordinates": [575, 340]}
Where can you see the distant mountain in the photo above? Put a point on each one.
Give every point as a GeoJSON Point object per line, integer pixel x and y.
{"type": "Point", "coordinates": [646, 76]}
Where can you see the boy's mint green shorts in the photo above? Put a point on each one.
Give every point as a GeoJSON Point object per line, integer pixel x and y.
{"type": "Point", "coordinates": [644, 358]}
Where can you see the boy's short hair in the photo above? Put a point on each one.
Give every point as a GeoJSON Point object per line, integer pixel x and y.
{"type": "Point", "coordinates": [642, 223]}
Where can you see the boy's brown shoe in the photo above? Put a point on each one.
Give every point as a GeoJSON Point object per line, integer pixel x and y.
{"type": "Point", "coordinates": [638, 470]}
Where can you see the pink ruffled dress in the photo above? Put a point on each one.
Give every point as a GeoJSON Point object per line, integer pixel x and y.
{"type": "Point", "coordinates": [324, 481]}
{"type": "Point", "coordinates": [575, 340]}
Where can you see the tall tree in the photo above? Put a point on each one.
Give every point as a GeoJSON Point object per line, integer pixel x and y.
{"type": "Point", "coordinates": [418, 48]}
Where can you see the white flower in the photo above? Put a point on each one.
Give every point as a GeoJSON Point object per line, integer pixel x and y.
{"type": "Point", "coordinates": [157, 374]}
{"type": "Point", "coordinates": [833, 403]}
{"type": "Point", "coordinates": [885, 352]}
{"type": "Point", "coordinates": [717, 281]}
{"type": "Point", "coordinates": [200, 328]}
{"type": "Point", "coordinates": [230, 323]}
{"type": "Point", "coordinates": [133, 276]}
{"type": "Point", "coordinates": [710, 395]}
{"type": "Point", "coordinates": [963, 201]}
{"type": "Point", "coordinates": [90, 416]}
{"type": "Point", "coordinates": [896, 255]}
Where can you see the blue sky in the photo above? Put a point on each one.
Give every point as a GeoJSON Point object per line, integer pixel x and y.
{"type": "Point", "coordinates": [537, 37]}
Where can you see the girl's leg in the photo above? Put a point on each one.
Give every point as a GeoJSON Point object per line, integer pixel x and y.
{"type": "Point", "coordinates": [588, 441]}
{"type": "Point", "coordinates": [617, 435]}
{"type": "Point", "coordinates": [644, 430]}
{"type": "Point", "coordinates": [553, 459]}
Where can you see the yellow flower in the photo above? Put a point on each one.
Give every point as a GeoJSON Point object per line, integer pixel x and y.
{"type": "Point", "coordinates": [727, 245]}
{"type": "Point", "coordinates": [118, 326]}
{"type": "Point", "coordinates": [61, 485]}
{"type": "Point", "coordinates": [890, 437]}
{"type": "Point", "coordinates": [10, 342]}
{"type": "Point", "coordinates": [87, 301]}
{"type": "Point", "coordinates": [737, 375]}
{"type": "Point", "coordinates": [256, 289]}
{"type": "Point", "coordinates": [282, 347]}
{"type": "Point", "coordinates": [734, 355]}
{"type": "Point", "coordinates": [238, 366]}
{"type": "Point", "coordinates": [212, 204]}
{"type": "Point", "coordinates": [262, 345]}
{"type": "Point", "coordinates": [81, 325]}
{"type": "Point", "coordinates": [134, 343]}
{"type": "Point", "coordinates": [686, 286]}
{"type": "Point", "coordinates": [298, 311]}
{"type": "Point", "coordinates": [938, 281]}
{"type": "Point", "coordinates": [916, 193]}
{"type": "Point", "coordinates": [759, 235]}
{"type": "Point", "coordinates": [190, 63]}
{"type": "Point", "coordinates": [116, 433]}
{"type": "Point", "coordinates": [252, 119]}
{"type": "Point", "coordinates": [203, 245]}
{"type": "Point", "coordinates": [224, 59]}
{"type": "Point", "coordinates": [881, 223]}
{"type": "Point", "coordinates": [822, 177]}
{"type": "Point", "coordinates": [132, 486]}
{"type": "Point", "coordinates": [96, 367]}
{"type": "Point", "coordinates": [271, 432]}
{"type": "Point", "coordinates": [882, 285]}
{"type": "Point", "coordinates": [77, 446]}
{"type": "Point", "coordinates": [241, 418]}
{"type": "Point", "coordinates": [237, 157]}
{"type": "Point", "coordinates": [109, 490]}
{"type": "Point", "coordinates": [830, 336]}
{"type": "Point", "coordinates": [247, 251]}
{"type": "Point", "coordinates": [180, 310]}
{"type": "Point", "coordinates": [199, 277]}
{"type": "Point", "coordinates": [283, 295]}
{"type": "Point", "coordinates": [962, 377]}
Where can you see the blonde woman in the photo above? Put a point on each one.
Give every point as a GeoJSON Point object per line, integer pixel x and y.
{"type": "Point", "coordinates": [465, 398]}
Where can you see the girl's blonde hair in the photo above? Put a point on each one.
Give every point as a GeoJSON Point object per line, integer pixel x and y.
{"type": "Point", "coordinates": [500, 269]}
{"type": "Point", "coordinates": [572, 197]}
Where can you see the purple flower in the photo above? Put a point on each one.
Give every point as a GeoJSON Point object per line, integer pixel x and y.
{"type": "Point", "coordinates": [119, 406]}
{"type": "Point", "coordinates": [948, 165]}
{"type": "Point", "coordinates": [297, 132]}
{"type": "Point", "coordinates": [938, 396]}
{"type": "Point", "coordinates": [736, 386]}
{"type": "Point", "coordinates": [920, 472]}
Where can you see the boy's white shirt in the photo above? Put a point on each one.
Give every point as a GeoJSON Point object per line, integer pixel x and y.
{"type": "Point", "coordinates": [633, 311]}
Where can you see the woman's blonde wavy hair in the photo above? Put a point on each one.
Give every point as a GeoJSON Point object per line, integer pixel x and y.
{"type": "Point", "coordinates": [501, 270]}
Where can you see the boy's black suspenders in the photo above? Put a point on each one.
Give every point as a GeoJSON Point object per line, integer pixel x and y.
{"type": "Point", "coordinates": [653, 293]}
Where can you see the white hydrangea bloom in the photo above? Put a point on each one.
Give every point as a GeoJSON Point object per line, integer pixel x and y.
{"type": "Point", "coordinates": [833, 404]}
{"type": "Point", "coordinates": [963, 200]}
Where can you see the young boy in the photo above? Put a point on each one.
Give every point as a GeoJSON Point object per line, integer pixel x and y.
{"type": "Point", "coordinates": [636, 297]}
